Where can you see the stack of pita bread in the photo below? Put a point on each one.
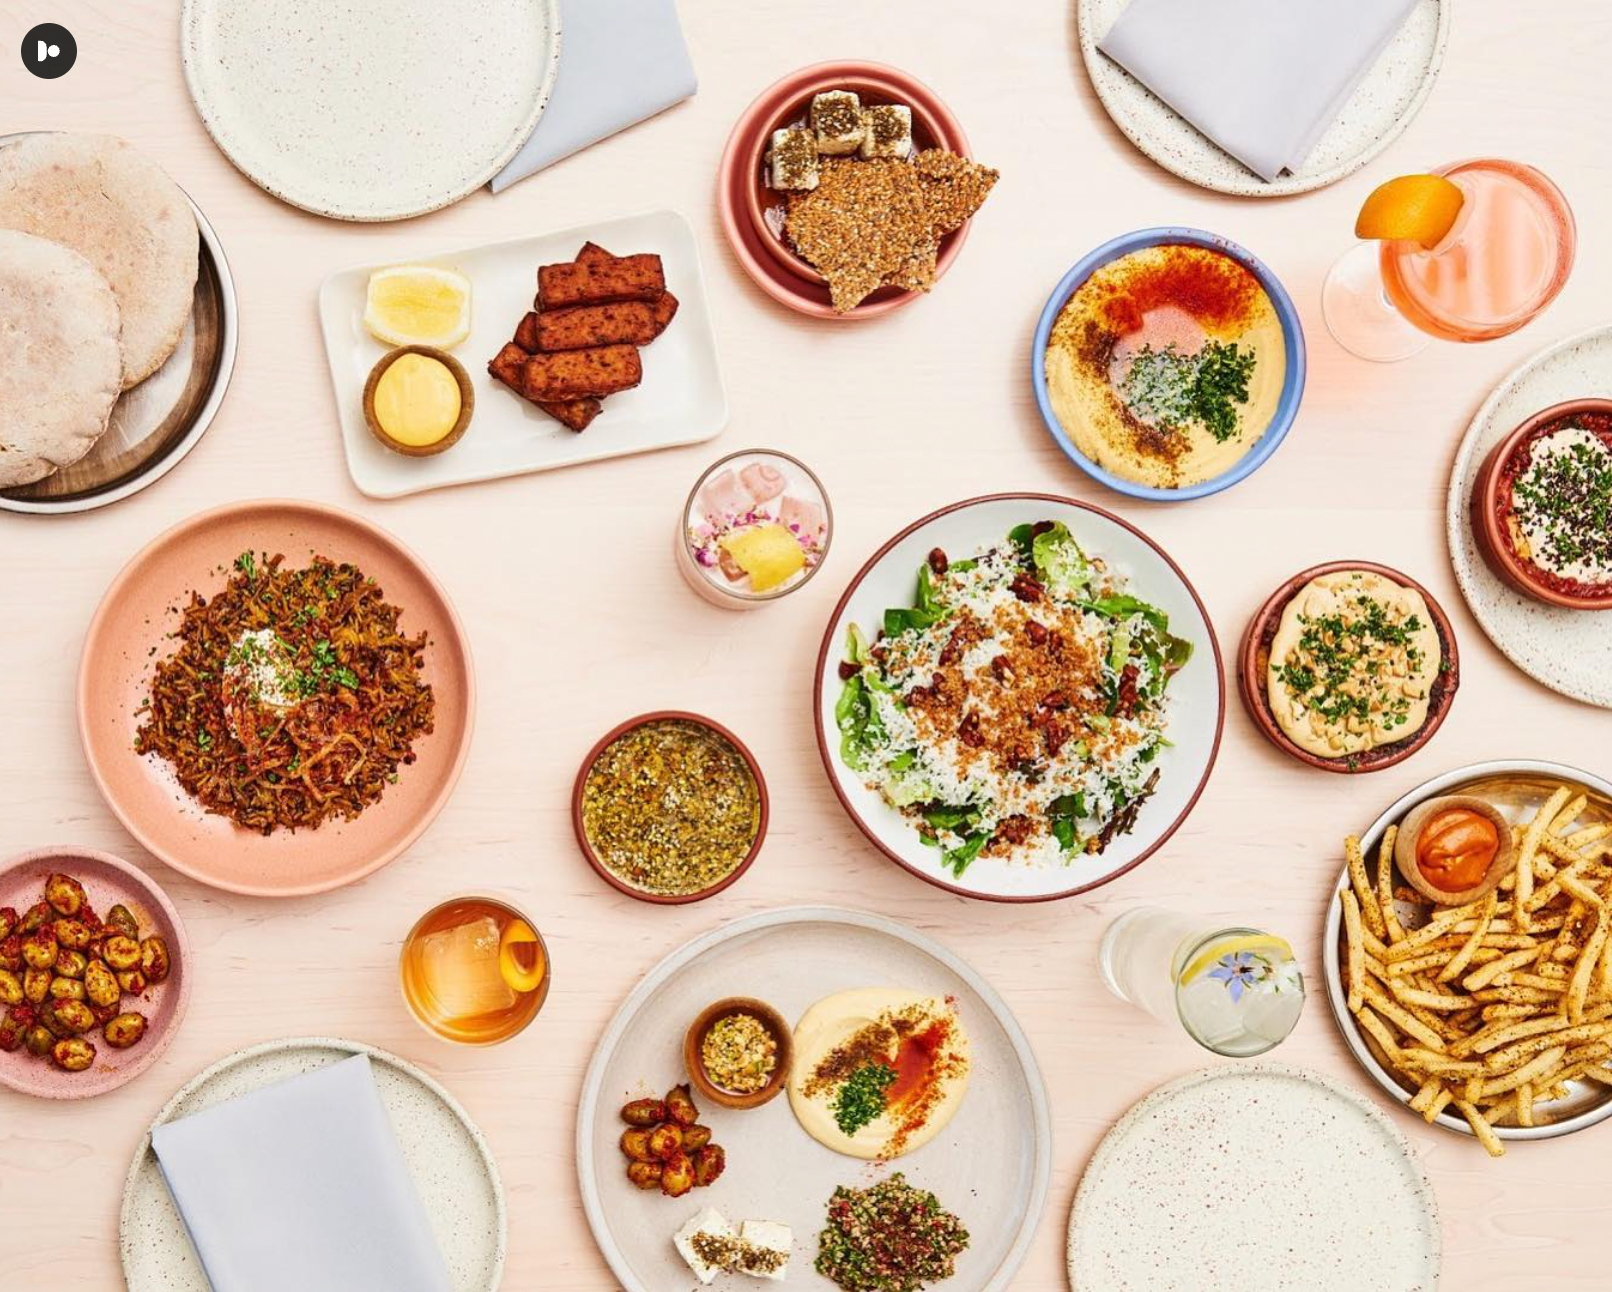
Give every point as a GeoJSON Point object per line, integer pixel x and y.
{"type": "Point", "coordinates": [98, 253]}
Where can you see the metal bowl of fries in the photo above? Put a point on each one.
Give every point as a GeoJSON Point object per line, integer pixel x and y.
{"type": "Point", "coordinates": [1484, 1020]}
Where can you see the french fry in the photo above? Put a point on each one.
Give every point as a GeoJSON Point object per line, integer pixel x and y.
{"type": "Point", "coordinates": [1370, 915]}
{"type": "Point", "coordinates": [1385, 885]}
{"type": "Point", "coordinates": [1402, 1018]}
{"type": "Point", "coordinates": [1517, 1032]}
{"type": "Point", "coordinates": [1481, 978]}
{"type": "Point", "coordinates": [1440, 1102]}
{"type": "Point", "coordinates": [1579, 987]}
{"type": "Point", "coordinates": [1357, 952]}
{"type": "Point", "coordinates": [1424, 1096]}
{"type": "Point", "coordinates": [1525, 1105]}
{"type": "Point", "coordinates": [1463, 957]}
{"type": "Point", "coordinates": [1530, 846]}
{"type": "Point", "coordinates": [1568, 814]}
{"type": "Point", "coordinates": [1535, 1068]}
{"type": "Point", "coordinates": [1521, 1052]}
{"type": "Point", "coordinates": [1576, 888]}
{"type": "Point", "coordinates": [1379, 1030]}
{"type": "Point", "coordinates": [1433, 1000]}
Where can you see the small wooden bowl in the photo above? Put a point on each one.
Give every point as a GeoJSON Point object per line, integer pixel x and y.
{"type": "Point", "coordinates": [694, 1040]}
{"type": "Point", "coordinates": [467, 401]}
{"type": "Point", "coordinates": [1410, 831]}
{"type": "Point", "coordinates": [1254, 659]}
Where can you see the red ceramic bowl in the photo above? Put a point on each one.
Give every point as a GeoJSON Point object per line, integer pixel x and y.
{"type": "Point", "coordinates": [1488, 524]}
{"type": "Point", "coordinates": [1254, 658]}
{"type": "Point", "coordinates": [107, 881]}
{"type": "Point", "coordinates": [609, 876]}
{"type": "Point", "coordinates": [743, 197]}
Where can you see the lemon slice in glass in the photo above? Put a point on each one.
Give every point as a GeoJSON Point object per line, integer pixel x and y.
{"type": "Point", "coordinates": [1273, 948]}
{"type": "Point", "coordinates": [418, 305]}
{"type": "Point", "coordinates": [517, 977]}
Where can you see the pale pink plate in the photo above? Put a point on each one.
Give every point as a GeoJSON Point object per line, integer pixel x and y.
{"type": "Point", "coordinates": [107, 881]}
{"type": "Point", "coordinates": [129, 635]}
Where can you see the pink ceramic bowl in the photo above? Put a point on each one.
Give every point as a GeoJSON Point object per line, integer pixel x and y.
{"type": "Point", "coordinates": [743, 197]}
{"type": "Point", "coordinates": [107, 881]}
{"type": "Point", "coordinates": [128, 634]}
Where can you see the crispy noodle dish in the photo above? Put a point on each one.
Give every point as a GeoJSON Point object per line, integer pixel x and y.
{"type": "Point", "coordinates": [293, 696]}
{"type": "Point", "coordinates": [1016, 709]}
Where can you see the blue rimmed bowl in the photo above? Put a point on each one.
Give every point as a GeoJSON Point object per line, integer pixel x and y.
{"type": "Point", "coordinates": [1287, 406]}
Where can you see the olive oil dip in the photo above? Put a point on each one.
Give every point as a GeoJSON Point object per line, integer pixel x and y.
{"type": "Point", "coordinates": [671, 807]}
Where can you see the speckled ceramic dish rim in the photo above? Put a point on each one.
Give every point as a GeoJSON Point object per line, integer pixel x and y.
{"type": "Point", "coordinates": [651, 982]}
{"type": "Point", "coordinates": [130, 1180]}
{"type": "Point", "coordinates": [1252, 185]}
{"type": "Point", "coordinates": [1331, 960]}
{"type": "Point", "coordinates": [229, 332]}
{"type": "Point", "coordinates": [1111, 1140]}
{"type": "Point", "coordinates": [1287, 405]}
{"type": "Point", "coordinates": [544, 92]}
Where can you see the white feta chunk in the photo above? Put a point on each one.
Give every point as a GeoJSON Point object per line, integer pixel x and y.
{"type": "Point", "coordinates": [837, 122]}
{"type": "Point", "coordinates": [792, 160]}
{"type": "Point", "coordinates": [711, 1223]}
{"type": "Point", "coordinates": [766, 1246]}
{"type": "Point", "coordinates": [886, 131]}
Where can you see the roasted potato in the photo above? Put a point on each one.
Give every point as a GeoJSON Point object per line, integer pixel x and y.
{"type": "Point", "coordinates": [680, 1106]}
{"type": "Point", "coordinates": [132, 982]}
{"type": "Point", "coordinates": [11, 1034]}
{"type": "Point", "coordinates": [120, 919]}
{"type": "Point", "coordinates": [677, 1175]}
{"type": "Point", "coordinates": [73, 1054]}
{"type": "Point", "coordinates": [99, 985]}
{"type": "Point", "coordinates": [709, 1163]}
{"type": "Point", "coordinates": [154, 962]}
{"type": "Point", "coordinates": [65, 894]}
{"type": "Point", "coordinates": [38, 1040]}
{"type": "Point", "coordinates": [71, 964]}
{"type": "Point", "coordinates": [11, 952]}
{"type": "Point", "coordinates": [696, 1137]}
{"type": "Point", "coordinates": [8, 921]}
{"type": "Point", "coordinates": [35, 918]}
{"type": "Point", "coordinates": [72, 933]}
{"type": "Point", "coordinates": [72, 1015]}
{"type": "Point", "coordinates": [635, 1144]}
{"type": "Point", "coordinates": [66, 989]}
{"type": "Point", "coordinates": [124, 1030]}
{"type": "Point", "coordinates": [36, 985]}
{"type": "Point", "coordinates": [666, 1141]}
{"type": "Point", "coordinates": [645, 1175]}
{"type": "Point", "coordinates": [120, 953]}
{"type": "Point", "coordinates": [644, 1112]}
{"type": "Point", "coordinates": [39, 949]}
{"type": "Point", "coordinates": [10, 988]}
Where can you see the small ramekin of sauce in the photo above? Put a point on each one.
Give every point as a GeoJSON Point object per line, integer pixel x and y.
{"type": "Point", "coordinates": [1454, 849]}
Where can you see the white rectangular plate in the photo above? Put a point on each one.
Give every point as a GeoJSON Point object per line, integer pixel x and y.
{"type": "Point", "coordinates": [682, 399]}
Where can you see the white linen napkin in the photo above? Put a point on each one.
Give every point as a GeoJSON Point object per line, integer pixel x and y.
{"type": "Point", "coordinates": [620, 61]}
{"type": "Point", "coordinates": [1262, 78]}
{"type": "Point", "coordinates": [301, 1185]}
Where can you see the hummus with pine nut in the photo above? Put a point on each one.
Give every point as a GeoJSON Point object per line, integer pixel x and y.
{"type": "Point", "coordinates": [1352, 664]}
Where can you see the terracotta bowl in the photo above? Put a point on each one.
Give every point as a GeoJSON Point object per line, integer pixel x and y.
{"type": "Point", "coordinates": [1254, 658]}
{"type": "Point", "coordinates": [743, 197]}
{"type": "Point", "coordinates": [610, 877]}
{"type": "Point", "coordinates": [107, 881]}
{"type": "Point", "coordinates": [467, 401]}
{"type": "Point", "coordinates": [694, 1040]}
{"type": "Point", "coordinates": [1410, 830]}
{"type": "Point", "coordinates": [1488, 529]}
{"type": "Point", "coordinates": [127, 636]}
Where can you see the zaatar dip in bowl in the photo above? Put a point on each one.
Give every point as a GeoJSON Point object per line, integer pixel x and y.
{"type": "Point", "coordinates": [670, 807]}
{"type": "Point", "coordinates": [738, 1052]}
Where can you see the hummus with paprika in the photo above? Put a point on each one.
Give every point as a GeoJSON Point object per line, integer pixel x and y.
{"type": "Point", "coordinates": [1166, 366]}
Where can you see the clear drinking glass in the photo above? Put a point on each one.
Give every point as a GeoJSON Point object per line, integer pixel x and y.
{"type": "Point", "coordinates": [1237, 991]}
{"type": "Point", "coordinates": [1503, 261]}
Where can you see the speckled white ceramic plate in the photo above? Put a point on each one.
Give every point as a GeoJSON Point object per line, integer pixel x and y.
{"type": "Point", "coordinates": [1568, 650]}
{"type": "Point", "coordinates": [989, 1165]}
{"type": "Point", "coordinates": [1383, 104]}
{"type": "Point", "coordinates": [1263, 1178]}
{"type": "Point", "coordinates": [366, 111]}
{"type": "Point", "coordinates": [449, 1159]}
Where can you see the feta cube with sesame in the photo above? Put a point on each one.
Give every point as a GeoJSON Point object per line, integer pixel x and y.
{"type": "Point", "coordinates": [886, 131]}
{"type": "Point", "coordinates": [836, 118]}
{"type": "Point", "coordinates": [792, 160]}
{"type": "Point", "coordinates": [765, 1247]}
{"type": "Point", "coordinates": [712, 1227]}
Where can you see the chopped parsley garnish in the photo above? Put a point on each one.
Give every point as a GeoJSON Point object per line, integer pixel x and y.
{"type": "Point", "coordinates": [1341, 666]}
{"type": "Point", "coordinates": [1168, 388]}
{"type": "Point", "coordinates": [246, 565]}
{"type": "Point", "coordinates": [861, 1099]}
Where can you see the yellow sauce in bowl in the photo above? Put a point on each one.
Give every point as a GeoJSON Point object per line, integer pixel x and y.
{"type": "Point", "coordinates": [417, 401]}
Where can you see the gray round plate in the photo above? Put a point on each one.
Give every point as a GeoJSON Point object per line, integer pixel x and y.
{"type": "Point", "coordinates": [990, 1163]}
{"type": "Point", "coordinates": [157, 422]}
{"type": "Point", "coordinates": [1518, 784]}
{"type": "Point", "coordinates": [1569, 651]}
{"type": "Point", "coordinates": [448, 1158]}
{"type": "Point", "coordinates": [1383, 104]}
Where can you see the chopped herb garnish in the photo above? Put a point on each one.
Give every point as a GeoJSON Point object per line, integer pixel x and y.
{"type": "Point", "coordinates": [861, 1099]}
{"type": "Point", "coordinates": [1168, 388]}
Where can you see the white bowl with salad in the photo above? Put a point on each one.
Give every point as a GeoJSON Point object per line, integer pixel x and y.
{"type": "Point", "coordinates": [1019, 697]}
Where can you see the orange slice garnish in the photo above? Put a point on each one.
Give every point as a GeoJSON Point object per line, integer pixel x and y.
{"type": "Point", "coordinates": [1415, 208]}
{"type": "Point", "coordinates": [516, 975]}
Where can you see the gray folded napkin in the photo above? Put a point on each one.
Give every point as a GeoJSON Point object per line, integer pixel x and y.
{"type": "Point", "coordinates": [301, 1185]}
{"type": "Point", "coordinates": [1261, 78]}
{"type": "Point", "coordinates": [620, 61]}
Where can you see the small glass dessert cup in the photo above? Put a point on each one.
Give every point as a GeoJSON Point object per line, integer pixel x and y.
{"type": "Point", "coordinates": [474, 971]}
{"type": "Point", "coordinates": [756, 526]}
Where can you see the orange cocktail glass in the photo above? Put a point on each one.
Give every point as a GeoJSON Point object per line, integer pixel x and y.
{"type": "Point", "coordinates": [474, 970]}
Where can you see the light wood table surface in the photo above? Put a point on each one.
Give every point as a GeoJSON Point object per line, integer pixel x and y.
{"type": "Point", "coordinates": [577, 618]}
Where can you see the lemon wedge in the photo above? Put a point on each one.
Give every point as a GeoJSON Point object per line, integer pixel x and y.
{"type": "Point", "coordinates": [1417, 208]}
{"type": "Point", "coordinates": [516, 976]}
{"type": "Point", "coordinates": [1260, 944]}
{"type": "Point", "coordinates": [418, 305]}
